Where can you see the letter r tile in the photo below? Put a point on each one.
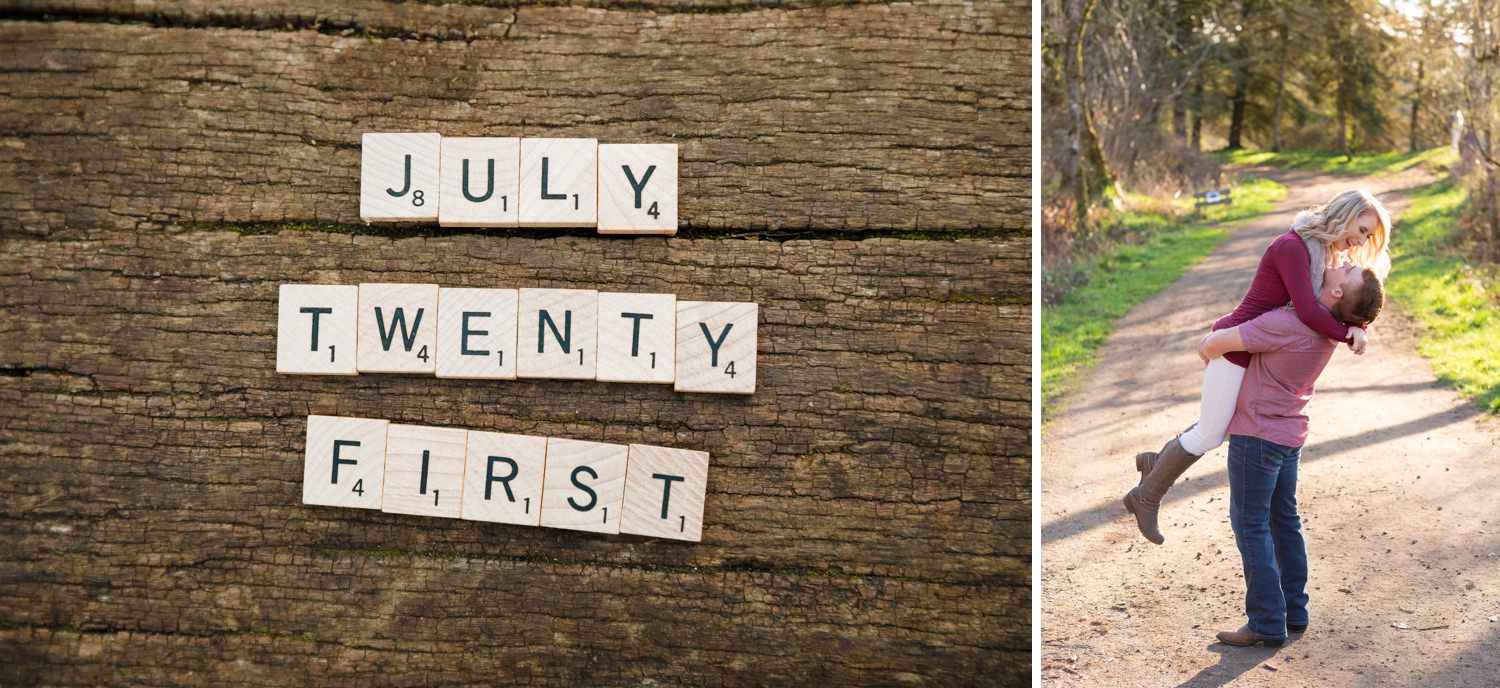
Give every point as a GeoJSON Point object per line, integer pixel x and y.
{"type": "Point", "coordinates": [503, 478]}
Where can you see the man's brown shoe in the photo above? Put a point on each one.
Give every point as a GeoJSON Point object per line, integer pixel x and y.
{"type": "Point", "coordinates": [1246, 637]}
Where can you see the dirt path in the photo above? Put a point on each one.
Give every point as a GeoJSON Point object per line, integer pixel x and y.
{"type": "Point", "coordinates": [1398, 490]}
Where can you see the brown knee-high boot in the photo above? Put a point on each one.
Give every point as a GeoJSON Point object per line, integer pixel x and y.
{"type": "Point", "coordinates": [1159, 471]}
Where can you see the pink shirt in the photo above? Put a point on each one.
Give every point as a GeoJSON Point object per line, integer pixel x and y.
{"type": "Point", "coordinates": [1283, 276]}
{"type": "Point", "coordinates": [1289, 357]}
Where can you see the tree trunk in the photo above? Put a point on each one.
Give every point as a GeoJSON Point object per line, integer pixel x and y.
{"type": "Point", "coordinates": [1236, 117]}
{"type": "Point", "coordinates": [1242, 62]}
{"type": "Point", "coordinates": [1416, 106]}
{"type": "Point", "coordinates": [1282, 59]}
{"type": "Point", "coordinates": [1179, 118]}
{"type": "Point", "coordinates": [1343, 124]}
{"type": "Point", "coordinates": [1197, 135]}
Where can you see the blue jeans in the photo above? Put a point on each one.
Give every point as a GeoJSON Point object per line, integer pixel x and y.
{"type": "Point", "coordinates": [1263, 513]}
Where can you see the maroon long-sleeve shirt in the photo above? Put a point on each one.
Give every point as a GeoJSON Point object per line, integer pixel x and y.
{"type": "Point", "coordinates": [1283, 277]}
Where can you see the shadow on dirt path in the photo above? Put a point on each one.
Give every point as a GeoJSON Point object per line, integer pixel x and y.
{"type": "Point", "coordinates": [1397, 490]}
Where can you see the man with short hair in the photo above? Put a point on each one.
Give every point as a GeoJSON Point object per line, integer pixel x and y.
{"type": "Point", "coordinates": [1265, 444]}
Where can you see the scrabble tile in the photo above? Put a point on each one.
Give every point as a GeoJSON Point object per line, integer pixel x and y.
{"type": "Point", "coordinates": [476, 333]}
{"type": "Point", "coordinates": [637, 337]}
{"type": "Point", "coordinates": [481, 182]}
{"type": "Point", "coordinates": [398, 177]}
{"type": "Point", "coordinates": [585, 485]}
{"type": "Point", "coordinates": [397, 328]}
{"type": "Point", "coordinates": [315, 329]}
{"type": "Point", "coordinates": [716, 347]}
{"type": "Point", "coordinates": [503, 478]}
{"type": "Point", "coordinates": [559, 183]}
{"type": "Point", "coordinates": [424, 471]}
{"type": "Point", "coordinates": [345, 464]}
{"type": "Point", "coordinates": [637, 188]}
{"type": "Point", "coordinates": [558, 329]}
{"type": "Point", "coordinates": [664, 492]}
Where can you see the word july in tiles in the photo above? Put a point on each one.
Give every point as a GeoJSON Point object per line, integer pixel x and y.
{"type": "Point", "coordinates": [569, 334]}
{"type": "Point", "coordinates": [515, 182]}
{"type": "Point", "coordinates": [502, 478]}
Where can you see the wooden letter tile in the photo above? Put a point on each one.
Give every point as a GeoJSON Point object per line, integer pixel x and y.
{"type": "Point", "coordinates": [481, 180]}
{"type": "Point", "coordinates": [558, 329]}
{"type": "Point", "coordinates": [397, 328]}
{"type": "Point", "coordinates": [716, 347]}
{"type": "Point", "coordinates": [476, 333]}
{"type": "Point", "coordinates": [424, 471]}
{"type": "Point", "coordinates": [637, 188]}
{"type": "Point", "coordinates": [503, 478]}
{"type": "Point", "coordinates": [585, 485]}
{"type": "Point", "coordinates": [315, 329]}
{"type": "Point", "coordinates": [664, 492]}
{"type": "Point", "coordinates": [398, 177]}
{"type": "Point", "coordinates": [559, 183]}
{"type": "Point", "coordinates": [637, 337]}
{"type": "Point", "coordinates": [345, 463]}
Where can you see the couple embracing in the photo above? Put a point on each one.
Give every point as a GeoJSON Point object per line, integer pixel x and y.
{"type": "Point", "coordinates": [1317, 285]}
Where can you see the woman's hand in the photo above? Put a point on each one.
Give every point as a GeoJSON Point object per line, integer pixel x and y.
{"type": "Point", "coordinates": [1358, 344]}
{"type": "Point", "coordinates": [1203, 348]}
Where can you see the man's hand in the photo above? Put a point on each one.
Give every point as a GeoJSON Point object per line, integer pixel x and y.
{"type": "Point", "coordinates": [1358, 344]}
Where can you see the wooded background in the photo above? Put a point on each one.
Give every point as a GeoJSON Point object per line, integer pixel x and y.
{"type": "Point", "coordinates": [862, 171]}
{"type": "Point", "coordinates": [1133, 91]}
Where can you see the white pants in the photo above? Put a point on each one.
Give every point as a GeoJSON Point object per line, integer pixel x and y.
{"type": "Point", "coordinates": [1221, 390]}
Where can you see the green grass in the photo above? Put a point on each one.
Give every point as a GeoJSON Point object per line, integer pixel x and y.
{"type": "Point", "coordinates": [1455, 302]}
{"type": "Point", "coordinates": [1159, 242]}
{"type": "Point", "coordinates": [1324, 161]}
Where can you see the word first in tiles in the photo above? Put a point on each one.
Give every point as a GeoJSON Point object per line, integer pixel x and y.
{"type": "Point", "coordinates": [515, 182]}
{"type": "Point", "coordinates": [636, 489]}
{"type": "Point", "coordinates": [503, 334]}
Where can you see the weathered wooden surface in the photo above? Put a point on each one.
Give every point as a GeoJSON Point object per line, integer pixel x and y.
{"type": "Point", "coordinates": [846, 118]}
{"type": "Point", "coordinates": [869, 505]}
{"type": "Point", "coordinates": [868, 511]}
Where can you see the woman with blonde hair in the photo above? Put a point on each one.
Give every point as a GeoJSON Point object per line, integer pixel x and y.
{"type": "Point", "coordinates": [1352, 227]}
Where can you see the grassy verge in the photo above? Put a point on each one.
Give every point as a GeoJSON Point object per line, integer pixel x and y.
{"type": "Point", "coordinates": [1159, 242]}
{"type": "Point", "coordinates": [1453, 300]}
{"type": "Point", "coordinates": [1323, 161]}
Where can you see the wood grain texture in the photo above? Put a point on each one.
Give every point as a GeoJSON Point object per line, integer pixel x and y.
{"type": "Point", "coordinates": [849, 118]}
{"type": "Point", "coordinates": [870, 504]}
